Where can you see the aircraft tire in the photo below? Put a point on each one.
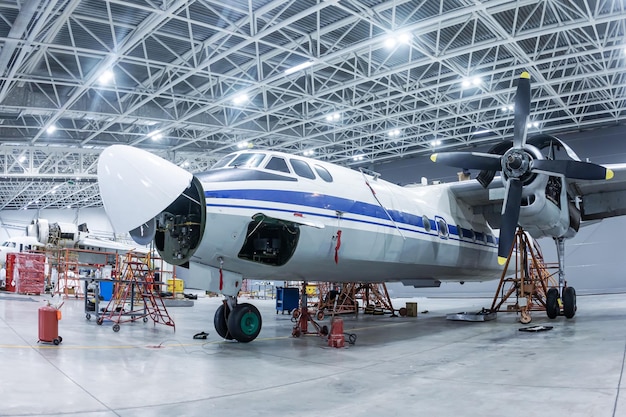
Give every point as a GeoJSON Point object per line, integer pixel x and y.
{"type": "Point", "coordinates": [244, 322]}
{"type": "Point", "coordinates": [569, 302]}
{"type": "Point", "coordinates": [219, 321]}
{"type": "Point", "coordinates": [552, 303]}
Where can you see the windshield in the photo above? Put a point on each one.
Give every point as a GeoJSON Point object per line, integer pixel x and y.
{"type": "Point", "coordinates": [248, 160]}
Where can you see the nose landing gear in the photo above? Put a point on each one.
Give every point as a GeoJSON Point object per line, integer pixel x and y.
{"type": "Point", "coordinates": [241, 322]}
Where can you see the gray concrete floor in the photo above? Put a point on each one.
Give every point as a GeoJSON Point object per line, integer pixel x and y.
{"type": "Point", "coordinates": [424, 366]}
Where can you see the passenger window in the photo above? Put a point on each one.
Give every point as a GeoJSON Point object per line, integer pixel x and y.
{"type": "Point", "coordinates": [426, 222]}
{"type": "Point", "coordinates": [248, 160]}
{"type": "Point", "coordinates": [323, 173]}
{"type": "Point", "coordinates": [277, 164]}
{"type": "Point", "coordinates": [302, 169]}
{"type": "Point", "coordinates": [442, 228]}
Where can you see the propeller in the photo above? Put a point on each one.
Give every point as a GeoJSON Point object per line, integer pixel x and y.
{"type": "Point", "coordinates": [518, 165]}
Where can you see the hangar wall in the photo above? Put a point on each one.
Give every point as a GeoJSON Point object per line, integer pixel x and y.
{"type": "Point", "coordinates": [594, 260]}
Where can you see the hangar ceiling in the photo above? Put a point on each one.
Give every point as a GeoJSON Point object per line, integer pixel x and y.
{"type": "Point", "coordinates": [348, 81]}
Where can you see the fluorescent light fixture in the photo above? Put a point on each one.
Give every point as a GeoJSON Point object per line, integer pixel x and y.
{"type": "Point", "coordinates": [51, 129]}
{"type": "Point", "coordinates": [482, 131]}
{"type": "Point", "coordinates": [435, 142]}
{"type": "Point", "coordinates": [476, 81]}
{"type": "Point", "coordinates": [155, 135]}
{"type": "Point", "coordinates": [240, 98]}
{"type": "Point", "coordinates": [309, 152]}
{"type": "Point", "coordinates": [357, 157]}
{"type": "Point", "coordinates": [390, 42]}
{"type": "Point", "coordinates": [466, 83]}
{"type": "Point", "coordinates": [535, 124]}
{"type": "Point", "coordinates": [244, 144]}
{"type": "Point", "coordinates": [299, 67]}
{"type": "Point", "coordinates": [22, 158]}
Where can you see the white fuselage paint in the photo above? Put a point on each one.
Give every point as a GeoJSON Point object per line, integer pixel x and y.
{"type": "Point", "coordinates": [373, 248]}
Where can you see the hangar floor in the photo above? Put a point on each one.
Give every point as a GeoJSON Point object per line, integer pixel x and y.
{"type": "Point", "coordinates": [398, 367]}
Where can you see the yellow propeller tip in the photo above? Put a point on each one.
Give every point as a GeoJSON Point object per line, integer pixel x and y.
{"type": "Point", "coordinates": [433, 157]}
{"type": "Point", "coordinates": [501, 260]}
{"type": "Point", "coordinates": [525, 75]}
{"type": "Point", "coordinates": [609, 174]}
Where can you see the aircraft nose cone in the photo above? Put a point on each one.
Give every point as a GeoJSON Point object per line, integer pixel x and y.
{"type": "Point", "coordinates": [136, 185]}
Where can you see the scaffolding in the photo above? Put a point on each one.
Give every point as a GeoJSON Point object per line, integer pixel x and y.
{"type": "Point", "coordinates": [136, 295]}
{"type": "Point", "coordinates": [74, 265]}
{"type": "Point", "coordinates": [344, 299]}
{"type": "Point", "coordinates": [529, 286]}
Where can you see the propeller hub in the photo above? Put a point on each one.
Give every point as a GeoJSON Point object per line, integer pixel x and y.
{"type": "Point", "coordinates": [516, 163]}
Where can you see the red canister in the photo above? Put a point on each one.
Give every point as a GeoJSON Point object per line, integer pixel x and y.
{"type": "Point", "coordinates": [49, 324]}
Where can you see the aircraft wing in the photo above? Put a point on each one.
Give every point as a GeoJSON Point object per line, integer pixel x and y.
{"type": "Point", "coordinates": [109, 245]}
{"type": "Point", "coordinates": [598, 199]}
{"type": "Point", "coordinates": [602, 199]}
{"type": "Point", "coordinates": [482, 201]}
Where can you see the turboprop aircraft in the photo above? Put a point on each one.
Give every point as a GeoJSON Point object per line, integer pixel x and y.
{"type": "Point", "coordinates": [259, 214]}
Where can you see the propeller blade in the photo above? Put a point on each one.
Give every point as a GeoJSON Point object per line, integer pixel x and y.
{"type": "Point", "coordinates": [573, 169]}
{"type": "Point", "coordinates": [510, 217]}
{"type": "Point", "coordinates": [469, 160]}
{"type": "Point", "coordinates": [522, 110]}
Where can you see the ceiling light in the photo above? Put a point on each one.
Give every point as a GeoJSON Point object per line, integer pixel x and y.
{"type": "Point", "coordinates": [404, 38]}
{"type": "Point", "coordinates": [466, 83]}
{"type": "Point", "coordinates": [51, 129]}
{"type": "Point", "coordinates": [106, 77]}
{"type": "Point", "coordinates": [476, 81]}
{"type": "Point", "coordinates": [242, 145]}
{"type": "Point", "coordinates": [435, 142]}
{"type": "Point", "coordinates": [395, 133]}
{"type": "Point", "coordinates": [309, 152]}
{"type": "Point", "coordinates": [390, 42]}
{"type": "Point", "coordinates": [298, 67]}
{"type": "Point", "coordinates": [155, 135]}
{"type": "Point", "coordinates": [482, 131]}
{"type": "Point", "coordinates": [535, 124]}
{"type": "Point", "coordinates": [240, 98]}
{"type": "Point", "coordinates": [333, 117]}
{"type": "Point", "coordinates": [22, 158]}
{"type": "Point", "coordinates": [357, 158]}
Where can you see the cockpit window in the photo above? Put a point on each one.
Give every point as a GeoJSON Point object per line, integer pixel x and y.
{"type": "Point", "coordinates": [323, 173]}
{"type": "Point", "coordinates": [9, 244]}
{"type": "Point", "coordinates": [248, 160]}
{"type": "Point", "coordinates": [223, 162]}
{"type": "Point", "coordinates": [277, 164]}
{"type": "Point", "coordinates": [302, 169]}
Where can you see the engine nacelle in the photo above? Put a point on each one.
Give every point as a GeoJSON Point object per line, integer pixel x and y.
{"type": "Point", "coordinates": [546, 209]}
{"type": "Point", "coordinates": [57, 234]}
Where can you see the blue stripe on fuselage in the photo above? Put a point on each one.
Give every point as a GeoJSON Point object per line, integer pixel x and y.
{"type": "Point", "coordinates": [326, 202]}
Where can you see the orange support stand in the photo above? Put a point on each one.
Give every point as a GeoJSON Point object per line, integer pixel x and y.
{"type": "Point", "coordinates": [302, 317]}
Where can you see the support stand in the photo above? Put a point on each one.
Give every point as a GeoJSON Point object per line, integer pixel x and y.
{"type": "Point", "coordinates": [302, 317]}
{"type": "Point", "coordinates": [531, 282]}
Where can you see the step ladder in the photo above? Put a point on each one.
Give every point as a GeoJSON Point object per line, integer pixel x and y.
{"type": "Point", "coordinates": [136, 295]}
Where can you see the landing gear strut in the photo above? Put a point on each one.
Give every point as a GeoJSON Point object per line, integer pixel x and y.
{"type": "Point", "coordinates": [241, 322]}
{"type": "Point", "coordinates": [568, 295]}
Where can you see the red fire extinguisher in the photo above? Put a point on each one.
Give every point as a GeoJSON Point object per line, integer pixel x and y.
{"type": "Point", "coordinates": [49, 317]}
